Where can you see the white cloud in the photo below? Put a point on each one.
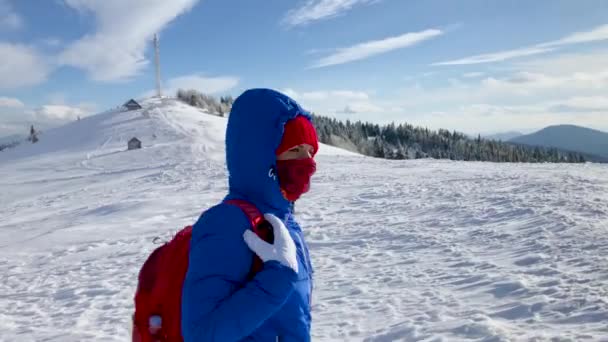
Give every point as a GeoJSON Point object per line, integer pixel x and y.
{"type": "Point", "coordinates": [21, 66]}
{"type": "Point", "coordinates": [348, 94]}
{"type": "Point", "coordinates": [498, 56]}
{"type": "Point", "coordinates": [52, 42]}
{"type": "Point", "coordinates": [18, 120]}
{"type": "Point", "coordinates": [291, 93]}
{"type": "Point", "coordinates": [208, 85]}
{"type": "Point", "coordinates": [347, 110]}
{"type": "Point", "coordinates": [567, 63]}
{"type": "Point", "coordinates": [9, 19]}
{"type": "Point", "coordinates": [540, 80]}
{"type": "Point", "coordinates": [567, 88]}
{"type": "Point", "coordinates": [327, 95]}
{"type": "Point", "coordinates": [376, 47]}
{"type": "Point", "coordinates": [365, 107]}
{"type": "Point", "coordinates": [596, 34]}
{"type": "Point", "coordinates": [561, 89]}
{"type": "Point", "coordinates": [56, 98]}
{"type": "Point", "coordinates": [541, 85]}
{"type": "Point", "coordinates": [589, 102]}
{"type": "Point", "coordinates": [473, 74]}
{"type": "Point", "coordinates": [59, 112]}
{"type": "Point", "coordinates": [204, 84]}
{"type": "Point", "coordinates": [582, 104]}
{"type": "Point", "coordinates": [9, 102]}
{"type": "Point", "coordinates": [489, 117]}
{"type": "Point", "coordinates": [115, 51]}
{"type": "Point", "coordinates": [315, 10]}
{"type": "Point", "coordinates": [329, 102]}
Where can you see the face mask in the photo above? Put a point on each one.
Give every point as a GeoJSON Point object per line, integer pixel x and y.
{"type": "Point", "coordinates": [294, 176]}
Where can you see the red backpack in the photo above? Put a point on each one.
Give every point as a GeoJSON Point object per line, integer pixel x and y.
{"type": "Point", "coordinates": [158, 297]}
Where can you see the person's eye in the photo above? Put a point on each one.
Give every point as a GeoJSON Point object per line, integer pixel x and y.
{"type": "Point", "coordinates": [295, 150]}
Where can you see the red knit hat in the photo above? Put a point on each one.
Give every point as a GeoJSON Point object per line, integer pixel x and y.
{"type": "Point", "coordinates": [298, 131]}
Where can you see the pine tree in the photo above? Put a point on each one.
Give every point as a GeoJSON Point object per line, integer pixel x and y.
{"type": "Point", "coordinates": [33, 137]}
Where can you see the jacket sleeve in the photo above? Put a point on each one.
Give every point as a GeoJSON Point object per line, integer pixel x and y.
{"type": "Point", "coordinates": [217, 303]}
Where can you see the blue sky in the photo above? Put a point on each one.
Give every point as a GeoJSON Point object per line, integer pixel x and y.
{"type": "Point", "coordinates": [474, 66]}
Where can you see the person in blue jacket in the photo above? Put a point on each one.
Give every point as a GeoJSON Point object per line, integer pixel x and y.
{"type": "Point", "coordinates": [270, 146]}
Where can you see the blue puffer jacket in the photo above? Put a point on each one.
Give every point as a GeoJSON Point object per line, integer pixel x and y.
{"type": "Point", "coordinates": [218, 303]}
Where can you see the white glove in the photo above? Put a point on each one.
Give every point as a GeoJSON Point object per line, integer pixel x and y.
{"type": "Point", "coordinates": [283, 250]}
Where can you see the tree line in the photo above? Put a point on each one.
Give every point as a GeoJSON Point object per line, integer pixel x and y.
{"type": "Point", "coordinates": [206, 102]}
{"type": "Point", "coordinates": [33, 138]}
{"type": "Point", "coordinates": [405, 141]}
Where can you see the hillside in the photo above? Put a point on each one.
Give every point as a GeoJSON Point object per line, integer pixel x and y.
{"type": "Point", "coordinates": [417, 250]}
{"type": "Point", "coordinates": [569, 137]}
{"type": "Point", "coordinates": [506, 136]}
{"type": "Point", "coordinates": [11, 138]}
{"type": "Point", "coordinates": [10, 141]}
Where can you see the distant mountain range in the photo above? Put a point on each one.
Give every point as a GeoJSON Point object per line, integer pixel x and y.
{"type": "Point", "coordinates": [569, 137]}
{"type": "Point", "coordinates": [505, 136]}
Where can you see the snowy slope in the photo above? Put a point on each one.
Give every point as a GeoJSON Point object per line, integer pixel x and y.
{"type": "Point", "coordinates": [403, 250]}
{"type": "Point", "coordinates": [11, 139]}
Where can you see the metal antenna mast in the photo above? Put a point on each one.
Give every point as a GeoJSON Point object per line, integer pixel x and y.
{"type": "Point", "coordinates": [157, 62]}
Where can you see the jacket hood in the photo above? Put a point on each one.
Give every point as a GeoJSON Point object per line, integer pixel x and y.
{"type": "Point", "coordinates": [254, 132]}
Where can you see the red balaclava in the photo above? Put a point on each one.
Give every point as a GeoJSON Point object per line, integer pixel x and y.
{"type": "Point", "coordinates": [294, 174]}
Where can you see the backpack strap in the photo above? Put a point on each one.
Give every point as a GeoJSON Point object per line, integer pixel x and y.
{"type": "Point", "coordinates": [258, 223]}
{"type": "Point", "coordinates": [260, 227]}
{"type": "Point", "coordinates": [253, 214]}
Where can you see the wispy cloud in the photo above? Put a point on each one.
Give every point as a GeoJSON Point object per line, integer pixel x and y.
{"type": "Point", "coordinates": [10, 102]}
{"type": "Point", "coordinates": [599, 33]}
{"type": "Point", "coordinates": [115, 51]}
{"type": "Point", "coordinates": [9, 19]}
{"type": "Point", "coordinates": [21, 66]}
{"type": "Point", "coordinates": [375, 47]}
{"type": "Point", "coordinates": [499, 56]}
{"type": "Point", "coordinates": [473, 74]}
{"type": "Point", "coordinates": [315, 10]}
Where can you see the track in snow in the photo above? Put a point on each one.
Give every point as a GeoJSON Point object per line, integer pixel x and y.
{"type": "Point", "coordinates": [427, 250]}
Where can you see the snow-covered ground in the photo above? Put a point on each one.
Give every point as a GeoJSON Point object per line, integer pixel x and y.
{"type": "Point", "coordinates": [403, 250]}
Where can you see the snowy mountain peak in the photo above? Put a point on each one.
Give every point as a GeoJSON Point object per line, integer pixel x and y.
{"type": "Point", "coordinates": [161, 124]}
